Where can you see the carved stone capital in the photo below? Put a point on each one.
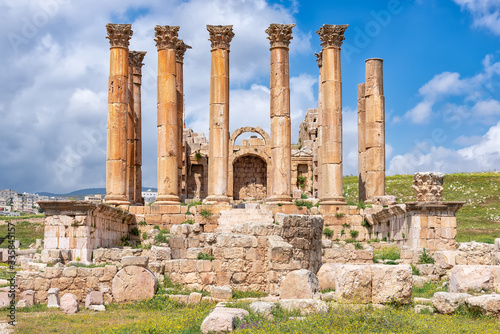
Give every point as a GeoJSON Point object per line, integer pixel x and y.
{"type": "Point", "coordinates": [319, 59]}
{"type": "Point", "coordinates": [166, 37]}
{"type": "Point", "coordinates": [429, 186]}
{"type": "Point", "coordinates": [119, 34]}
{"type": "Point", "coordinates": [332, 35]}
{"type": "Point", "coordinates": [280, 35]}
{"type": "Point", "coordinates": [220, 36]}
{"type": "Point", "coordinates": [135, 59]}
{"type": "Point", "coordinates": [180, 50]}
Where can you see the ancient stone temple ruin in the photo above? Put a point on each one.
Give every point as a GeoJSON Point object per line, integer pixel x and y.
{"type": "Point", "coordinates": [243, 215]}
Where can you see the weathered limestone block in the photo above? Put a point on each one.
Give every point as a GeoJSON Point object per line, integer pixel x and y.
{"type": "Point", "coordinates": [305, 306]}
{"type": "Point", "coordinates": [236, 240]}
{"type": "Point", "coordinates": [69, 303]}
{"type": "Point", "coordinates": [263, 308]}
{"type": "Point", "coordinates": [133, 283]}
{"type": "Point", "coordinates": [222, 320]}
{"type": "Point", "coordinates": [29, 297]}
{"type": "Point", "coordinates": [475, 253]}
{"type": "Point", "coordinates": [486, 304]}
{"type": "Point", "coordinates": [94, 298]}
{"type": "Point", "coordinates": [354, 283]}
{"type": "Point", "coordinates": [221, 292]}
{"type": "Point", "coordinates": [326, 276]}
{"type": "Point", "coordinates": [279, 250]}
{"type": "Point", "coordinates": [53, 298]}
{"type": "Point", "coordinates": [448, 302]}
{"type": "Point", "coordinates": [195, 298]}
{"type": "Point", "coordinates": [475, 278]}
{"type": "Point", "coordinates": [391, 284]}
{"type": "Point", "coordinates": [299, 284]}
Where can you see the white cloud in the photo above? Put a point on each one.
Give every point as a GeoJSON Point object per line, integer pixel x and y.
{"type": "Point", "coordinates": [475, 89]}
{"type": "Point", "coordinates": [486, 13]}
{"type": "Point", "coordinates": [484, 155]}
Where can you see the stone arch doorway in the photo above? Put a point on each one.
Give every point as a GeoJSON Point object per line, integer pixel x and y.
{"type": "Point", "coordinates": [249, 178]}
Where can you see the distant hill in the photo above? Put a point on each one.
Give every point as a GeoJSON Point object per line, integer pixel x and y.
{"type": "Point", "coordinates": [85, 192]}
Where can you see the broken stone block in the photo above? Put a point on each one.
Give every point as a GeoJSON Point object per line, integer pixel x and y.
{"type": "Point", "coordinates": [141, 261]}
{"type": "Point", "coordinates": [221, 292]}
{"type": "Point", "coordinates": [326, 276]}
{"type": "Point", "coordinates": [391, 284]}
{"type": "Point", "coordinates": [354, 284]}
{"type": "Point", "coordinates": [134, 283]}
{"type": "Point", "coordinates": [69, 303]}
{"type": "Point", "coordinates": [448, 302]}
{"type": "Point", "coordinates": [486, 304]}
{"type": "Point", "coordinates": [475, 278]}
{"type": "Point", "coordinates": [305, 306]}
{"type": "Point", "coordinates": [94, 298]}
{"type": "Point", "coordinates": [263, 308]}
{"type": "Point", "coordinates": [29, 297]}
{"type": "Point", "coordinates": [53, 297]}
{"type": "Point", "coordinates": [222, 320]}
{"type": "Point", "coordinates": [299, 284]}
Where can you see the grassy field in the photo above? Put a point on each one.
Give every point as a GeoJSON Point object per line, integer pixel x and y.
{"type": "Point", "coordinates": [478, 219]}
{"type": "Point", "coordinates": [161, 315]}
{"type": "Point", "coordinates": [26, 233]}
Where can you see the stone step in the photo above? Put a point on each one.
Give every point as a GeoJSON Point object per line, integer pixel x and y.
{"type": "Point", "coordinates": [229, 218]}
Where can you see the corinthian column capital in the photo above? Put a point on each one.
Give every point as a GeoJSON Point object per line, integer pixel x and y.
{"type": "Point", "coordinates": [332, 35]}
{"type": "Point", "coordinates": [135, 59]}
{"type": "Point", "coordinates": [280, 35]}
{"type": "Point", "coordinates": [220, 36]}
{"type": "Point", "coordinates": [119, 34]}
{"type": "Point", "coordinates": [319, 59]}
{"type": "Point", "coordinates": [166, 37]}
{"type": "Point", "coordinates": [180, 50]}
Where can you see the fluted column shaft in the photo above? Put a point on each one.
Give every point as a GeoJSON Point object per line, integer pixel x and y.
{"type": "Point", "coordinates": [218, 144]}
{"type": "Point", "coordinates": [361, 142]}
{"type": "Point", "coordinates": [319, 138]}
{"type": "Point", "coordinates": [374, 129]}
{"type": "Point", "coordinates": [168, 187]}
{"type": "Point", "coordinates": [131, 128]}
{"type": "Point", "coordinates": [331, 149]}
{"type": "Point", "coordinates": [116, 154]}
{"type": "Point", "coordinates": [180, 49]}
{"type": "Point", "coordinates": [281, 155]}
{"type": "Point", "coordinates": [136, 61]}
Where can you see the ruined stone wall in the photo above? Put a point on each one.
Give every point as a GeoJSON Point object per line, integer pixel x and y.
{"type": "Point", "coordinates": [338, 252]}
{"type": "Point", "coordinates": [82, 226]}
{"type": "Point", "coordinates": [249, 178]}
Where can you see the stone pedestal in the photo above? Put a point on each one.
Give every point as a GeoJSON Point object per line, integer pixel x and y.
{"type": "Point", "coordinates": [168, 155]}
{"type": "Point", "coordinates": [136, 58]}
{"type": "Point", "coordinates": [374, 137]}
{"type": "Point", "coordinates": [331, 150]}
{"type": "Point", "coordinates": [180, 50]}
{"type": "Point", "coordinates": [280, 188]}
{"type": "Point", "coordinates": [116, 154]}
{"type": "Point", "coordinates": [218, 144]}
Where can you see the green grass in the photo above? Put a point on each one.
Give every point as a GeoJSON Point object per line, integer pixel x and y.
{"type": "Point", "coordinates": [23, 216]}
{"type": "Point", "coordinates": [237, 294]}
{"type": "Point", "coordinates": [478, 220]}
{"type": "Point", "coordinates": [387, 253]}
{"type": "Point", "coordinates": [428, 290]}
{"type": "Point", "coordinates": [26, 233]}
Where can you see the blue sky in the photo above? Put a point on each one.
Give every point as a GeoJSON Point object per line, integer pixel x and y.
{"type": "Point", "coordinates": [441, 76]}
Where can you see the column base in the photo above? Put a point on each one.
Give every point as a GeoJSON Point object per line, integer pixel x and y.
{"type": "Point", "coordinates": [166, 200]}
{"type": "Point", "coordinates": [214, 199]}
{"type": "Point", "coordinates": [116, 200]}
{"type": "Point", "coordinates": [340, 200]}
{"type": "Point", "coordinates": [276, 199]}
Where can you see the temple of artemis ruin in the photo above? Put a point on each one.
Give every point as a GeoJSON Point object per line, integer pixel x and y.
{"type": "Point", "coordinates": [239, 202]}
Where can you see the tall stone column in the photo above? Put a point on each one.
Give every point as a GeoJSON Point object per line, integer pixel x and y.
{"type": "Point", "coordinates": [130, 184]}
{"type": "Point", "coordinates": [116, 154]}
{"type": "Point", "coordinates": [280, 36]}
{"type": "Point", "coordinates": [218, 144]}
{"type": "Point", "coordinates": [331, 37]}
{"type": "Point", "coordinates": [375, 129]}
{"type": "Point", "coordinates": [180, 50]}
{"type": "Point", "coordinates": [136, 58]}
{"type": "Point", "coordinates": [319, 137]}
{"type": "Point", "coordinates": [168, 186]}
{"type": "Point", "coordinates": [361, 142]}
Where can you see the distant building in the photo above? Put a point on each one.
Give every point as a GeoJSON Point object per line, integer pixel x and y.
{"type": "Point", "coordinates": [97, 199]}
{"type": "Point", "coordinates": [11, 200]}
{"type": "Point", "coordinates": [149, 196]}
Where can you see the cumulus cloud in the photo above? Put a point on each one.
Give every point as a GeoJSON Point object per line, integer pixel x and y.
{"type": "Point", "coordinates": [485, 13]}
{"type": "Point", "coordinates": [483, 155]}
{"type": "Point", "coordinates": [475, 89]}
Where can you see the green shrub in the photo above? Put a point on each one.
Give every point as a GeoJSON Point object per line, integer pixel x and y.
{"type": "Point", "coordinates": [205, 213]}
{"type": "Point", "coordinates": [303, 196]}
{"type": "Point", "coordinates": [135, 231]}
{"type": "Point", "coordinates": [345, 225]}
{"type": "Point", "coordinates": [302, 203]}
{"type": "Point", "coordinates": [156, 227]}
{"type": "Point", "coordinates": [144, 236]}
{"type": "Point", "coordinates": [188, 221]}
{"type": "Point", "coordinates": [366, 224]}
{"type": "Point", "coordinates": [354, 234]}
{"type": "Point", "coordinates": [328, 232]}
{"type": "Point", "coordinates": [342, 232]}
{"type": "Point", "coordinates": [205, 256]}
{"type": "Point", "coordinates": [384, 239]}
{"type": "Point", "coordinates": [414, 270]}
{"type": "Point", "coordinates": [387, 253]}
{"type": "Point", "coordinates": [339, 214]}
{"type": "Point", "coordinates": [425, 258]}
{"type": "Point", "coordinates": [301, 180]}
{"type": "Point", "coordinates": [358, 245]}
{"type": "Point", "coordinates": [162, 237]}
{"type": "Point", "coordinates": [142, 223]}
